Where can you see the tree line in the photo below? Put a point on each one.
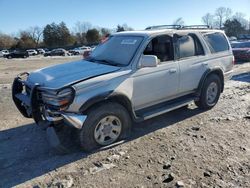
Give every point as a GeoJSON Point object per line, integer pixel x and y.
{"type": "Point", "coordinates": [223, 18]}
{"type": "Point", "coordinates": [59, 35]}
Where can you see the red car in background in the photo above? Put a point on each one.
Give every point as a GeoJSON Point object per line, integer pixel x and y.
{"type": "Point", "coordinates": [241, 50]}
{"type": "Point", "coordinates": [87, 53]}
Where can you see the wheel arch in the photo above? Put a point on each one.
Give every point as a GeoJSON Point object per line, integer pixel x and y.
{"type": "Point", "coordinates": [216, 71]}
{"type": "Point", "coordinates": [109, 96]}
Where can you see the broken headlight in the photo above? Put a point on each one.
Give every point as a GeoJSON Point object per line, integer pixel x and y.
{"type": "Point", "coordinates": [60, 99]}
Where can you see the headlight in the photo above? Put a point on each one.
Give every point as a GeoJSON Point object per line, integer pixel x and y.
{"type": "Point", "coordinates": [60, 98]}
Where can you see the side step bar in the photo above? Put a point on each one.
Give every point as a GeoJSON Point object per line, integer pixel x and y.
{"type": "Point", "coordinates": [164, 107]}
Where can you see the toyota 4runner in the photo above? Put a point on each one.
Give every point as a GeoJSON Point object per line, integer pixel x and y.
{"type": "Point", "coordinates": [132, 76]}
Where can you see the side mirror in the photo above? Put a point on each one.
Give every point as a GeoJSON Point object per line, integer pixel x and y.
{"type": "Point", "coordinates": [148, 61]}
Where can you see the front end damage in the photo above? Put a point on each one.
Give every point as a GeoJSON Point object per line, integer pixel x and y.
{"type": "Point", "coordinates": [47, 106]}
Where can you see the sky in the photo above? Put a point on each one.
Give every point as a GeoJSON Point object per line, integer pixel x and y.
{"type": "Point", "coordinates": [16, 15]}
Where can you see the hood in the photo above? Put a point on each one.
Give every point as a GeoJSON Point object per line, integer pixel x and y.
{"type": "Point", "coordinates": [65, 74]}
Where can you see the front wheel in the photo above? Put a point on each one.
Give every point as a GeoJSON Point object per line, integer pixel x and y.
{"type": "Point", "coordinates": [105, 124]}
{"type": "Point", "coordinates": [210, 93]}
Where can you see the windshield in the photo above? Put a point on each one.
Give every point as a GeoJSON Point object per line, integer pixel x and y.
{"type": "Point", "coordinates": [117, 50]}
{"type": "Point", "coordinates": [241, 45]}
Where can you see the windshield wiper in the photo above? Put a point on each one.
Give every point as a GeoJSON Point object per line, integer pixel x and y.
{"type": "Point", "coordinates": [104, 61]}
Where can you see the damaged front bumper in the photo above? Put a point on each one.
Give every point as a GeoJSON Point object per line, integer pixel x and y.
{"type": "Point", "coordinates": [26, 99]}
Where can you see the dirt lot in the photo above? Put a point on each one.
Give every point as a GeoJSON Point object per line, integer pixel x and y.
{"type": "Point", "coordinates": [186, 147]}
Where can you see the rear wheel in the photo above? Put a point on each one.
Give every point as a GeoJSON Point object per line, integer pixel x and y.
{"type": "Point", "coordinates": [210, 93]}
{"type": "Point", "coordinates": [105, 124]}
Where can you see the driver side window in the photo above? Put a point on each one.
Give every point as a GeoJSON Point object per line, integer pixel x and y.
{"type": "Point", "coordinates": [161, 47]}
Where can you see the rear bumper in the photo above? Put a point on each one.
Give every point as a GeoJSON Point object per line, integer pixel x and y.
{"type": "Point", "coordinates": [228, 75]}
{"type": "Point", "coordinates": [29, 105]}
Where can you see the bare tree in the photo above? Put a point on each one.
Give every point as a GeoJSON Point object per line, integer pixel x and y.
{"type": "Point", "coordinates": [222, 14]}
{"type": "Point", "coordinates": [240, 17]}
{"type": "Point", "coordinates": [179, 21]}
{"type": "Point", "coordinates": [208, 19]}
{"type": "Point", "coordinates": [82, 27]}
{"type": "Point", "coordinates": [6, 41]}
{"type": "Point", "coordinates": [126, 27]}
{"type": "Point", "coordinates": [36, 34]}
{"type": "Point", "coordinates": [105, 31]}
{"type": "Point", "coordinates": [80, 31]}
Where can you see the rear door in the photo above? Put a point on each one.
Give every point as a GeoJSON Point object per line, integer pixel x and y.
{"type": "Point", "coordinates": [192, 61]}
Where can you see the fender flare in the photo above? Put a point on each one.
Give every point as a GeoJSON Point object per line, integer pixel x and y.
{"type": "Point", "coordinates": [216, 71]}
{"type": "Point", "coordinates": [109, 96]}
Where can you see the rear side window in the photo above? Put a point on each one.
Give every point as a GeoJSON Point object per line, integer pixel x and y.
{"type": "Point", "coordinates": [217, 42]}
{"type": "Point", "coordinates": [186, 46]}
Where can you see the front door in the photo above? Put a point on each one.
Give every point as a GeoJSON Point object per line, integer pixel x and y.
{"type": "Point", "coordinates": [153, 85]}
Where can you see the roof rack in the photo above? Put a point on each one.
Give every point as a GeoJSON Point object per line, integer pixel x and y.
{"type": "Point", "coordinates": [163, 27]}
{"type": "Point", "coordinates": [178, 27]}
{"type": "Point", "coordinates": [196, 27]}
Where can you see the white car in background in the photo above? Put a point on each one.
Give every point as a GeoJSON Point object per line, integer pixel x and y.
{"type": "Point", "coordinates": [32, 52]}
{"type": "Point", "coordinates": [80, 50]}
{"type": "Point", "coordinates": [3, 53]}
{"type": "Point", "coordinates": [40, 51]}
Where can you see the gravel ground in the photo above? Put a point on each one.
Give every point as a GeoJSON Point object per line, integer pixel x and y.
{"type": "Point", "coordinates": [186, 147]}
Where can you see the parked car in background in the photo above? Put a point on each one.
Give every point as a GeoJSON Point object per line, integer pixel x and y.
{"type": "Point", "coordinates": [17, 54]}
{"type": "Point", "coordinates": [80, 50]}
{"type": "Point", "coordinates": [3, 53]}
{"type": "Point", "coordinates": [40, 51]}
{"type": "Point", "coordinates": [32, 52]}
{"type": "Point", "coordinates": [87, 53]}
{"type": "Point", "coordinates": [232, 39]}
{"type": "Point", "coordinates": [57, 52]}
{"type": "Point", "coordinates": [241, 51]}
{"type": "Point", "coordinates": [244, 37]}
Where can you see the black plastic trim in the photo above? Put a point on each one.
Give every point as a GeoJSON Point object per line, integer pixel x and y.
{"type": "Point", "coordinates": [109, 96]}
{"type": "Point", "coordinates": [205, 75]}
{"type": "Point", "coordinates": [164, 105]}
{"type": "Point", "coordinates": [17, 87]}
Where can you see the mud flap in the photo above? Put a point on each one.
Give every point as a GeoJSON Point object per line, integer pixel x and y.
{"type": "Point", "coordinates": [54, 141]}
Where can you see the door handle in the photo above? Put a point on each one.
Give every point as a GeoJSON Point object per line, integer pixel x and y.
{"type": "Point", "coordinates": [172, 70]}
{"type": "Point", "coordinates": [204, 64]}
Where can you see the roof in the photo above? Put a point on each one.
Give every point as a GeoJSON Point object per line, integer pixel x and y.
{"type": "Point", "coordinates": [144, 32]}
{"type": "Point", "coordinates": [164, 31]}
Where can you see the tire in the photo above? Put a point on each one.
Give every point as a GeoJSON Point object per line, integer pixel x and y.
{"type": "Point", "coordinates": [98, 121]}
{"type": "Point", "coordinates": [9, 57]}
{"type": "Point", "coordinates": [210, 93]}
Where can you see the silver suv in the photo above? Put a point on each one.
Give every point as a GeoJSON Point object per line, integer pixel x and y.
{"type": "Point", "coordinates": [132, 76]}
